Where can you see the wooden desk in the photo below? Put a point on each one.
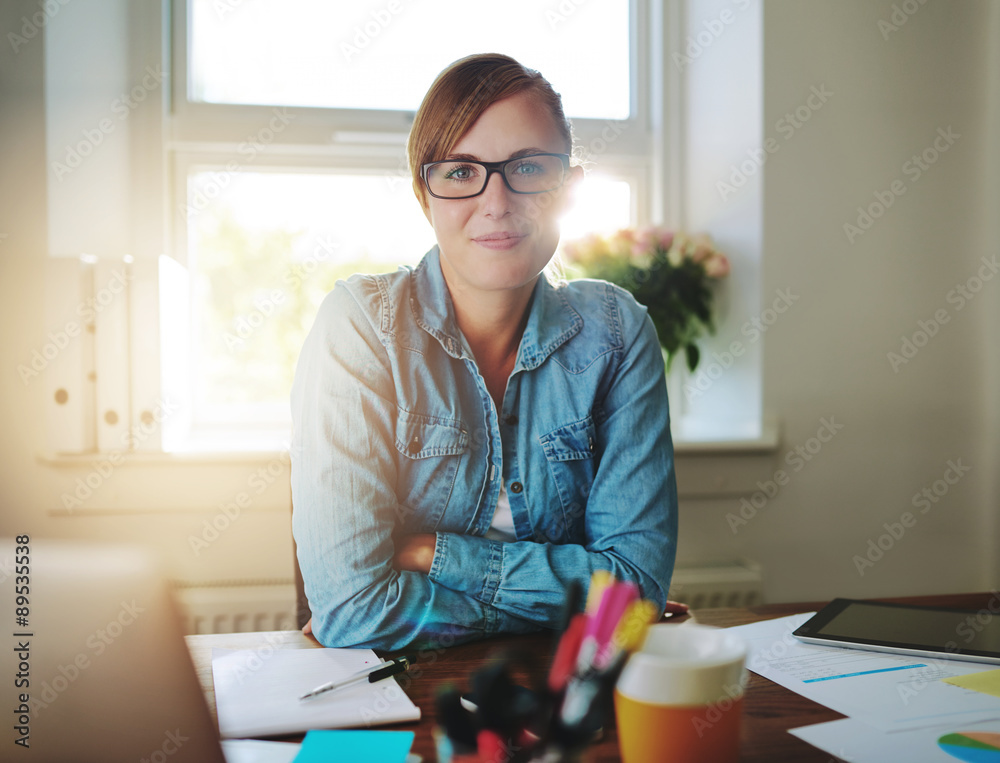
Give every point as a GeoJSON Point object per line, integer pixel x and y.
{"type": "Point", "coordinates": [769, 709]}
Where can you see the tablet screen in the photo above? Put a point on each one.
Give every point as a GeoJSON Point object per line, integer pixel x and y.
{"type": "Point", "coordinates": [935, 628]}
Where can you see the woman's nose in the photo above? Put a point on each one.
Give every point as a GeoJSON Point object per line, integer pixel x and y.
{"type": "Point", "coordinates": [495, 199]}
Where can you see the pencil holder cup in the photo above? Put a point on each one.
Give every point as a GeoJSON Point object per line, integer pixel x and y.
{"type": "Point", "coordinates": [680, 697]}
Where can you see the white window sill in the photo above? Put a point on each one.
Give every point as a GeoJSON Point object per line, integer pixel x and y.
{"type": "Point", "coordinates": [269, 449]}
{"type": "Point", "coordinates": [707, 469]}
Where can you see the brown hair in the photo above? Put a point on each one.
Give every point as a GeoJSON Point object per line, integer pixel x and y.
{"type": "Point", "coordinates": [460, 95]}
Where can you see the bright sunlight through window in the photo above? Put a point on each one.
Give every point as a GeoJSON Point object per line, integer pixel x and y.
{"type": "Point", "coordinates": [316, 52]}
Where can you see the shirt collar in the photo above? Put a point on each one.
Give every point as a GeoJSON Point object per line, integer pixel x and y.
{"type": "Point", "coordinates": [551, 319]}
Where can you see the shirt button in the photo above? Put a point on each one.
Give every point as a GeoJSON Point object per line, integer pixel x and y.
{"type": "Point", "coordinates": [414, 447]}
{"type": "Point", "coordinates": [511, 420]}
{"type": "Point", "coordinates": [516, 487]}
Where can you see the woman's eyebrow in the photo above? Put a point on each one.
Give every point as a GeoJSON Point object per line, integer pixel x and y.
{"type": "Point", "coordinates": [472, 158]}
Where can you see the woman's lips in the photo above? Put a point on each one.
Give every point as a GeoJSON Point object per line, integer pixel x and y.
{"type": "Point", "coordinates": [499, 241]}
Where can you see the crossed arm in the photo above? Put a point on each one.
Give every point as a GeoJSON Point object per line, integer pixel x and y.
{"type": "Point", "coordinates": [369, 586]}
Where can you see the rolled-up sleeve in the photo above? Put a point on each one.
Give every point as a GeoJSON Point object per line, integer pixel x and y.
{"type": "Point", "coordinates": [343, 491]}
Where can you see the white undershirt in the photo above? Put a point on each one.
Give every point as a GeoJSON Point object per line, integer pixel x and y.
{"type": "Point", "coordinates": [502, 527]}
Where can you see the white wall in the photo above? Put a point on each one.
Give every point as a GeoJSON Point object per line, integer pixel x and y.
{"type": "Point", "coordinates": [990, 243]}
{"type": "Point", "coordinates": [825, 358]}
{"type": "Point", "coordinates": [160, 502]}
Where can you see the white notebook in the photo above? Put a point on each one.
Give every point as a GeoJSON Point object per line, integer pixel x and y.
{"type": "Point", "coordinates": [257, 692]}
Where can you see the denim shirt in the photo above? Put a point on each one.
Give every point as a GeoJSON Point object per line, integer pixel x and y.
{"type": "Point", "coordinates": [394, 433]}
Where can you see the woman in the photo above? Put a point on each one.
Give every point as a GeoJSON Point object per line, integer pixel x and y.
{"type": "Point", "coordinates": [468, 437]}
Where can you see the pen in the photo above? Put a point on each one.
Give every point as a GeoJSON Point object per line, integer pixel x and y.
{"type": "Point", "coordinates": [370, 674]}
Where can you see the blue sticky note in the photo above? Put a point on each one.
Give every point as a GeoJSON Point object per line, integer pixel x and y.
{"type": "Point", "coordinates": [332, 746]}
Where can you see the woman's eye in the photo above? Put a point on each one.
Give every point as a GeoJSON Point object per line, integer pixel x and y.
{"type": "Point", "coordinates": [528, 168]}
{"type": "Point", "coordinates": [460, 173]}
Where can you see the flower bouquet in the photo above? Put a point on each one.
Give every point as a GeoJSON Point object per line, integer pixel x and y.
{"type": "Point", "coordinates": [669, 272]}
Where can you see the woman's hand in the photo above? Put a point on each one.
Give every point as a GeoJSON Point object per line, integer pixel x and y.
{"type": "Point", "coordinates": [675, 608]}
{"type": "Point", "coordinates": [415, 553]}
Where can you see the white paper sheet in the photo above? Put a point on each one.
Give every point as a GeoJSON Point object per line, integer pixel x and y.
{"type": "Point", "coordinates": [890, 692]}
{"type": "Point", "coordinates": [259, 751]}
{"type": "Point", "coordinates": [851, 740]}
{"type": "Point", "coordinates": [257, 692]}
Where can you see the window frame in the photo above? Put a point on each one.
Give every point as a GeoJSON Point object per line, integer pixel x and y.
{"type": "Point", "coordinates": [206, 136]}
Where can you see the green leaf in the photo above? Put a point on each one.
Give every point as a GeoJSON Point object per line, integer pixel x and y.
{"type": "Point", "coordinates": [693, 356]}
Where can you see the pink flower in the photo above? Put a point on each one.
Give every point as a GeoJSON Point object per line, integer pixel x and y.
{"type": "Point", "coordinates": [666, 238]}
{"type": "Point", "coordinates": [678, 249]}
{"type": "Point", "coordinates": [645, 241]}
{"type": "Point", "coordinates": [701, 248]}
{"type": "Point", "coordinates": [717, 265]}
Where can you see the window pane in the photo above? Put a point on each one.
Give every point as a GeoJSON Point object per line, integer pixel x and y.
{"type": "Point", "coordinates": [602, 205]}
{"type": "Point", "coordinates": [266, 247]}
{"type": "Point", "coordinates": [384, 54]}
{"type": "Point", "coordinates": [264, 251]}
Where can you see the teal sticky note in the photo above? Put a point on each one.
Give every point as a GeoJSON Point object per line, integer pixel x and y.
{"type": "Point", "coordinates": [333, 746]}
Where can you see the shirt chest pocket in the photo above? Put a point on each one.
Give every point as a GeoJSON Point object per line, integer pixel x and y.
{"type": "Point", "coordinates": [569, 451]}
{"type": "Point", "coordinates": [430, 452]}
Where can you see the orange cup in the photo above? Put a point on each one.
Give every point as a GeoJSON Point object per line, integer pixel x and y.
{"type": "Point", "coordinates": [680, 697]}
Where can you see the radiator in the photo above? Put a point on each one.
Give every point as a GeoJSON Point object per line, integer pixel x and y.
{"type": "Point", "coordinates": [236, 606]}
{"type": "Point", "coordinates": [736, 585]}
{"type": "Point", "coordinates": [240, 606]}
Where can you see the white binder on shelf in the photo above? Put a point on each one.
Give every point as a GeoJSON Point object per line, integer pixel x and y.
{"type": "Point", "coordinates": [64, 362]}
{"type": "Point", "coordinates": [110, 308]}
{"type": "Point", "coordinates": [149, 409]}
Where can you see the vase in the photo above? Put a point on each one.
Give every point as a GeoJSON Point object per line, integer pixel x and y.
{"type": "Point", "coordinates": [677, 377]}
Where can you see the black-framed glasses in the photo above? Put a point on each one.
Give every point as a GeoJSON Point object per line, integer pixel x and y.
{"type": "Point", "coordinates": [460, 179]}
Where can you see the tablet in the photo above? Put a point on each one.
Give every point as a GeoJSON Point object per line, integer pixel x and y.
{"type": "Point", "coordinates": [956, 634]}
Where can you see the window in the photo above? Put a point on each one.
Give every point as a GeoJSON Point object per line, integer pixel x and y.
{"type": "Point", "coordinates": [289, 124]}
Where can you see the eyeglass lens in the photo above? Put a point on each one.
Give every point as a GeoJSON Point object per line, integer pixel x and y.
{"type": "Point", "coordinates": [528, 174]}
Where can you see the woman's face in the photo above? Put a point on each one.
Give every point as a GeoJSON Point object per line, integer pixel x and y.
{"type": "Point", "coordinates": [501, 240]}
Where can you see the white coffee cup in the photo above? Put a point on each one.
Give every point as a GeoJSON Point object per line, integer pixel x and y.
{"type": "Point", "coordinates": [680, 697]}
